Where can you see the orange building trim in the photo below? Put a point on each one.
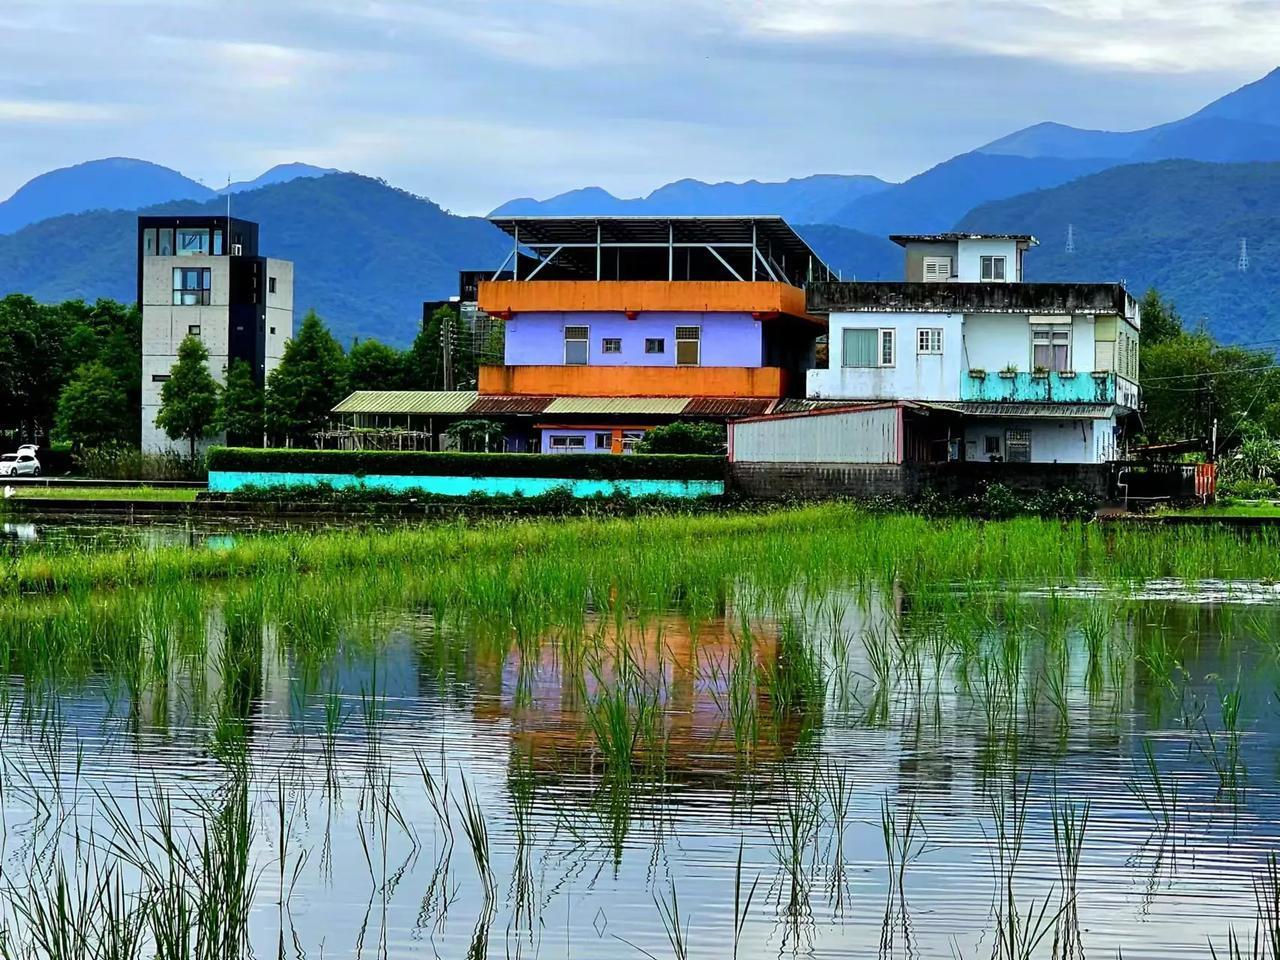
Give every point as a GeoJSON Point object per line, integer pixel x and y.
{"type": "Point", "coordinates": [765, 300]}
{"type": "Point", "coordinates": [586, 381]}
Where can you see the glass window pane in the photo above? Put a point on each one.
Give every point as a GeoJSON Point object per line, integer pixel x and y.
{"type": "Point", "coordinates": [164, 242]}
{"type": "Point", "coordinates": [860, 348]}
{"type": "Point", "coordinates": [149, 242]}
{"type": "Point", "coordinates": [886, 347]}
{"type": "Point", "coordinates": [575, 351]}
{"type": "Point", "coordinates": [217, 241]}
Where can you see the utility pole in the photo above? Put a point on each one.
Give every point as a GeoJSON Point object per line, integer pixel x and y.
{"type": "Point", "coordinates": [1071, 238]}
{"type": "Point", "coordinates": [446, 343]}
{"type": "Point", "coordinates": [1243, 263]}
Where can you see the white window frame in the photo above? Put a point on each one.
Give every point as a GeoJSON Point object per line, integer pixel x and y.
{"type": "Point", "coordinates": [883, 334]}
{"type": "Point", "coordinates": [608, 440]}
{"type": "Point", "coordinates": [937, 263]}
{"type": "Point", "coordinates": [585, 339]}
{"type": "Point", "coordinates": [1017, 439]}
{"type": "Point", "coordinates": [1053, 330]}
{"type": "Point", "coordinates": [605, 345]}
{"type": "Point", "coordinates": [987, 268]}
{"type": "Point", "coordinates": [929, 341]}
{"type": "Point", "coordinates": [562, 441]}
{"type": "Point", "coordinates": [630, 438]}
{"type": "Point", "coordinates": [696, 340]}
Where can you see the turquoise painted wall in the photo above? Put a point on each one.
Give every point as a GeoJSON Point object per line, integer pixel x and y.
{"type": "Point", "coordinates": [1028, 388]}
{"type": "Point", "coordinates": [229, 481]}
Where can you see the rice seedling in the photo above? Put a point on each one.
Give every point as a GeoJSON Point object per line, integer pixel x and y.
{"type": "Point", "coordinates": [1158, 798]}
{"type": "Point", "coordinates": [905, 842]}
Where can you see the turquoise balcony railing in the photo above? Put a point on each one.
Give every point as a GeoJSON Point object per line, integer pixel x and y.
{"type": "Point", "coordinates": [996, 387]}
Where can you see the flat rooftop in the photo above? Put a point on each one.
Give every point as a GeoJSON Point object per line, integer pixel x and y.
{"type": "Point", "coordinates": [952, 297]}
{"type": "Point", "coordinates": [902, 239]}
{"type": "Point", "coordinates": [663, 248]}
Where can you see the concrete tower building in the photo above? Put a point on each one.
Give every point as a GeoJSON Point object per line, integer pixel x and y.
{"type": "Point", "coordinates": [203, 276]}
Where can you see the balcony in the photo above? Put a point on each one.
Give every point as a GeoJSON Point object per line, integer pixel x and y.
{"type": "Point", "coordinates": [764, 299]}
{"type": "Point", "coordinates": [587, 381]}
{"type": "Point", "coordinates": [1000, 387]}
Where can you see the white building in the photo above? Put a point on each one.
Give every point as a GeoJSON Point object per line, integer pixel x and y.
{"type": "Point", "coordinates": [202, 276]}
{"type": "Point", "coordinates": [1040, 372]}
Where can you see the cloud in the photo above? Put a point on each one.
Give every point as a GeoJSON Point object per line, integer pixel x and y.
{"type": "Point", "coordinates": [52, 111]}
{"type": "Point", "coordinates": [473, 103]}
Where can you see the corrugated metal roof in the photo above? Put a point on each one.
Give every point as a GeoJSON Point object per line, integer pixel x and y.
{"type": "Point", "coordinates": [800, 405]}
{"type": "Point", "coordinates": [621, 405]}
{"type": "Point", "coordinates": [408, 401]}
{"type": "Point", "coordinates": [509, 405]}
{"type": "Point", "coordinates": [727, 407]}
{"type": "Point", "coordinates": [1038, 411]}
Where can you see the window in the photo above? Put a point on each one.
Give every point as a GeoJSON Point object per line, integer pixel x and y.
{"type": "Point", "coordinates": [929, 340]}
{"type": "Point", "coordinates": [611, 345]}
{"type": "Point", "coordinates": [991, 446]}
{"type": "Point", "coordinates": [1051, 348]}
{"type": "Point", "coordinates": [217, 241]}
{"type": "Point", "coordinates": [604, 441]}
{"type": "Point", "coordinates": [576, 345]}
{"type": "Point", "coordinates": [688, 346]}
{"type": "Point", "coordinates": [655, 345]}
{"type": "Point", "coordinates": [164, 242]}
{"type": "Point", "coordinates": [993, 268]}
{"type": "Point", "coordinates": [271, 284]}
{"type": "Point", "coordinates": [149, 242]}
{"type": "Point", "coordinates": [568, 443]}
{"type": "Point", "coordinates": [273, 331]}
{"type": "Point", "coordinates": [868, 347]}
{"type": "Point", "coordinates": [936, 269]}
{"type": "Point", "coordinates": [629, 440]}
{"type": "Point", "coordinates": [159, 377]}
{"type": "Point", "coordinates": [191, 286]}
{"type": "Point", "coordinates": [193, 329]}
{"type": "Point", "coordinates": [192, 241]}
{"type": "Point", "coordinates": [1018, 446]}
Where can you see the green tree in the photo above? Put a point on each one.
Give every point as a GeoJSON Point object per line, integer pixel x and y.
{"type": "Point", "coordinates": [376, 366]}
{"type": "Point", "coordinates": [310, 381]}
{"type": "Point", "coordinates": [240, 408]}
{"type": "Point", "coordinates": [189, 398]}
{"type": "Point", "coordinates": [684, 437]}
{"type": "Point", "coordinates": [1160, 320]}
{"type": "Point", "coordinates": [476, 436]}
{"type": "Point", "coordinates": [86, 406]}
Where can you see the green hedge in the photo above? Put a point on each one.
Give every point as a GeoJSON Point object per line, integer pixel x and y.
{"type": "Point", "coordinates": [378, 462]}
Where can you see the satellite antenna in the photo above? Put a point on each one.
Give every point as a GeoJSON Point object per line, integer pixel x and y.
{"type": "Point", "coordinates": [1243, 263]}
{"type": "Point", "coordinates": [1071, 238]}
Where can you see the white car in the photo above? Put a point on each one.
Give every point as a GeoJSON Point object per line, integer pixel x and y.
{"type": "Point", "coordinates": [19, 464]}
{"type": "Point", "coordinates": [30, 448]}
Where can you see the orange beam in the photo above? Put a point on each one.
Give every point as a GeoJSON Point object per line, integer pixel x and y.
{"type": "Point", "coordinates": [575, 381]}
{"type": "Point", "coordinates": [764, 299]}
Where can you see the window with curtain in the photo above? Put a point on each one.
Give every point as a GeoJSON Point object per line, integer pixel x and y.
{"type": "Point", "coordinates": [1051, 348]}
{"type": "Point", "coordinates": [861, 348]}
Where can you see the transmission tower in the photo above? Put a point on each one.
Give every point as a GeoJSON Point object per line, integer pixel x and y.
{"type": "Point", "coordinates": [1071, 238]}
{"type": "Point", "coordinates": [1243, 263]}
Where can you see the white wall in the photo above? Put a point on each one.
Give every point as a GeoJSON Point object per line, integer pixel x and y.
{"type": "Point", "coordinates": [913, 376]}
{"type": "Point", "coordinates": [970, 253]}
{"type": "Point", "coordinates": [995, 341]}
{"type": "Point", "coordinates": [279, 311]}
{"type": "Point", "coordinates": [1052, 441]}
{"type": "Point", "coordinates": [853, 436]}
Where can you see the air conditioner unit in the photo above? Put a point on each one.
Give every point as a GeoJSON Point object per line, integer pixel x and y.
{"type": "Point", "coordinates": [235, 249]}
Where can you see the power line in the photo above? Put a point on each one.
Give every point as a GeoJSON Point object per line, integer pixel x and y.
{"type": "Point", "coordinates": [1211, 373]}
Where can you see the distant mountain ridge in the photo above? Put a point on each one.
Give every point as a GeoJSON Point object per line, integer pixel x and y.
{"type": "Point", "coordinates": [800, 200]}
{"type": "Point", "coordinates": [366, 254]}
{"type": "Point", "coordinates": [121, 183]}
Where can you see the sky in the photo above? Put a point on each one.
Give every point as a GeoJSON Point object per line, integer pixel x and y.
{"type": "Point", "coordinates": [474, 102]}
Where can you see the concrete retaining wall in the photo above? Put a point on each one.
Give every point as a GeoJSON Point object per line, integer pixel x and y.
{"type": "Point", "coordinates": [776, 481]}
{"type": "Point", "coordinates": [230, 481]}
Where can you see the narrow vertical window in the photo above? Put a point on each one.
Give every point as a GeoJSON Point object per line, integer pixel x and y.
{"type": "Point", "coordinates": [576, 346]}
{"type": "Point", "coordinates": [688, 346]}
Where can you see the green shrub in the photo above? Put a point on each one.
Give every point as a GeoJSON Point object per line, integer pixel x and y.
{"type": "Point", "coordinates": [418, 464]}
{"type": "Point", "coordinates": [121, 461]}
{"type": "Point", "coordinates": [684, 437]}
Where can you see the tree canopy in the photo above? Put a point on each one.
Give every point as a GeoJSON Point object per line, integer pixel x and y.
{"type": "Point", "coordinates": [309, 382]}
{"type": "Point", "coordinates": [189, 398]}
{"type": "Point", "coordinates": [240, 407]}
{"type": "Point", "coordinates": [85, 409]}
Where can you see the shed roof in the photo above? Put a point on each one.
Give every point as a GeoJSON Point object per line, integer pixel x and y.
{"type": "Point", "coordinates": [669, 406]}
{"type": "Point", "coordinates": [1031, 411]}
{"type": "Point", "coordinates": [489, 405]}
{"type": "Point", "coordinates": [408, 401]}
{"type": "Point", "coordinates": [902, 239]}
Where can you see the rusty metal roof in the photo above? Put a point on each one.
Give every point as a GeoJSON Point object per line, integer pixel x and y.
{"type": "Point", "coordinates": [728, 406]}
{"type": "Point", "coordinates": [408, 401]}
{"type": "Point", "coordinates": [509, 405]}
{"type": "Point", "coordinates": [799, 405]}
{"type": "Point", "coordinates": [1036, 411]}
